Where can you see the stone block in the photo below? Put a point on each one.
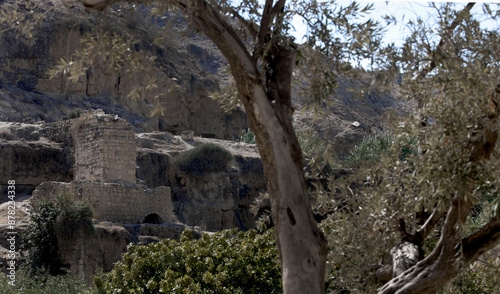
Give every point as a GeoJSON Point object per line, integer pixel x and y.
{"type": "Point", "coordinates": [187, 135]}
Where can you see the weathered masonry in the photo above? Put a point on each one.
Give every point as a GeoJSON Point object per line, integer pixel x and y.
{"type": "Point", "coordinates": [105, 149]}
{"type": "Point", "coordinates": [105, 164]}
{"type": "Point", "coordinates": [126, 204]}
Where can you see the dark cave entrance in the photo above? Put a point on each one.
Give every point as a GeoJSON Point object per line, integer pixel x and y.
{"type": "Point", "coordinates": [152, 218]}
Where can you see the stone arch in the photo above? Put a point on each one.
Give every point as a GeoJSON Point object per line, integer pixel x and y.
{"type": "Point", "coordinates": [152, 218]}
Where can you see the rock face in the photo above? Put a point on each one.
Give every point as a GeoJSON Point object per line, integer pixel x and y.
{"type": "Point", "coordinates": [43, 155]}
{"type": "Point", "coordinates": [30, 93]}
{"type": "Point", "coordinates": [212, 200]}
{"type": "Point", "coordinates": [33, 153]}
{"type": "Point", "coordinates": [347, 116]}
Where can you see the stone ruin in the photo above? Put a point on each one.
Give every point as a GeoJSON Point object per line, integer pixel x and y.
{"type": "Point", "coordinates": [105, 149]}
{"type": "Point", "coordinates": [99, 158]}
{"type": "Point", "coordinates": [104, 174]}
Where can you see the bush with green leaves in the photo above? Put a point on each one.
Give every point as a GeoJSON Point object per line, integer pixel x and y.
{"type": "Point", "coordinates": [64, 217]}
{"type": "Point", "coordinates": [481, 278]}
{"type": "Point", "coordinates": [369, 149]}
{"type": "Point", "coordinates": [44, 282]}
{"type": "Point", "coordinates": [229, 261]}
{"type": "Point", "coordinates": [207, 157]}
{"type": "Point", "coordinates": [247, 136]}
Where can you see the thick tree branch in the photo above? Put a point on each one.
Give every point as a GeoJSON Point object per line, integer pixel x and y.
{"type": "Point", "coordinates": [268, 15]}
{"type": "Point", "coordinates": [444, 39]}
{"type": "Point", "coordinates": [482, 240]}
{"type": "Point", "coordinates": [278, 7]}
{"type": "Point", "coordinates": [220, 32]}
{"type": "Point", "coordinates": [429, 274]}
{"type": "Point", "coordinates": [265, 21]}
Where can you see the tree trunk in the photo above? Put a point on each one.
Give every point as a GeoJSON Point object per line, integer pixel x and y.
{"type": "Point", "coordinates": [301, 244]}
{"type": "Point", "coordinates": [266, 96]}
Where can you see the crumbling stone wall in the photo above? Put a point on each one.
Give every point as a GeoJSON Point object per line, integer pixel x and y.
{"type": "Point", "coordinates": [87, 254]}
{"type": "Point", "coordinates": [105, 149]}
{"type": "Point", "coordinates": [126, 204]}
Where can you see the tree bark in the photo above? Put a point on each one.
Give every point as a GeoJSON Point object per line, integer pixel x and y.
{"type": "Point", "coordinates": [267, 102]}
{"type": "Point", "coordinates": [266, 96]}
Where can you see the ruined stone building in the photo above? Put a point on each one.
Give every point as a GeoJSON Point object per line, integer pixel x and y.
{"type": "Point", "coordinates": [137, 194]}
{"type": "Point", "coordinates": [104, 174]}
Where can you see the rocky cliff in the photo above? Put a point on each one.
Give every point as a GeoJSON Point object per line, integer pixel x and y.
{"type": "Point", "coordinates": [30, 94]}
{"type": "Point", "coordinates": [42, 152]}
{"type": "Point", "coordinates": [42, 157]}
{"type": "Point", "coordinates": [184, 60]}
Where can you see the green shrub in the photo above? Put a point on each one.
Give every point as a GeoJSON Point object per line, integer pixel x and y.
{"type": "Point", "coordinates": [479, 278]}
{"type": "Point", "coordinates": [248, 137]}
{"type": "Point", "coordinates": [74, 218]}
{"type": "Point", "coordinates": [207, 157]}
{"type": "Point", "coordinates": [309, 141]}
{"type": "Point", "coordinates": [370, 149]}
{"type": "Point", "coordinates": [64, 217]}
{"type": "Point", "coordinates": [225, 262]}
{"type": "Point", "coordinates": [43, 282]}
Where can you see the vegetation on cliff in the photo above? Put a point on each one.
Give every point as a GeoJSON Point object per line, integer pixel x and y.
{"type": "Point", "coordinates": [205, 158]}
{"type": "Point", "coordinates": [44, 282]}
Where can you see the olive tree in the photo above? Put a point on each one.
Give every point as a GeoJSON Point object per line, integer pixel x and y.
{"type": "Point", "coordinates": [457, 88]}
{"type": "Point", "coordinates": [421, 204]}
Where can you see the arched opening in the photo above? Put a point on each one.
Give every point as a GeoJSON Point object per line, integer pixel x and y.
{"type": "Point", "coordinates": [152, 218]}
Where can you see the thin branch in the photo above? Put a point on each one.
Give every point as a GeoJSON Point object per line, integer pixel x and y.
{"type": "Point", "coordinates": [446, 36]}
{"type": "Point", "coordinates": [427, 227]}
{"type": "Point", "coordinates": [278, 7]}
{"type": "Point", "coordinates": [250, 26]}
{"type": "Point", "coordinates": [278, 12]}
{"type": "Point", "coordinates": [268, 15]}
